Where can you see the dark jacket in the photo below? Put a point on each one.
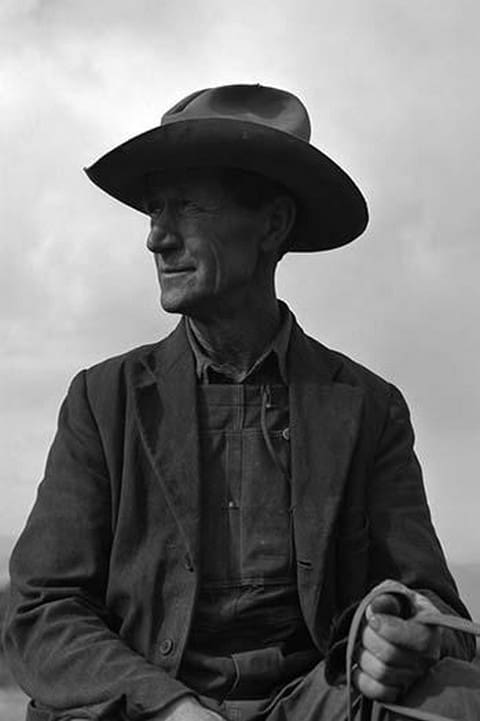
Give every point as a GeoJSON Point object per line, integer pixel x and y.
{"type": "Point", "coordinates": [105, 574]}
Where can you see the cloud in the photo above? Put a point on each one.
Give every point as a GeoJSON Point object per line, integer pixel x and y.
{"type": "Point", "coordinates": [389, 88]}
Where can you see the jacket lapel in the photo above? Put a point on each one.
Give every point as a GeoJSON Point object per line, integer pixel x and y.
{"type": "Point", "coordinates": [165, 399]}
{"type": "Point", "coordinates": [325, 419]}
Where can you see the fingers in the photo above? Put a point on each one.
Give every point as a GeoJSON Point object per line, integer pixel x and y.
{"type": "Point", "coordinates": [399, 676]}
{"type": "Point", "coordinates": [401, 634]}
{"type": "Point", "coordinates": [394, 651]}
{"type": "Point", "coordinates": [386, 652]}
{"type": "Point", "coordinates": [385, 670]}
{"type": "Point", "coordinates": [393, 654]}
{"type": "Point", "coordinates": [374, 689]}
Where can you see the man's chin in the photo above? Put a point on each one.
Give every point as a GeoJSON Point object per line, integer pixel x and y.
{"type": "Point", "coordinates": [172, 304]}
{"type": "Point", "coordinates": [201, 308]}
{"type": "Point", "coordinates": [170, 307]}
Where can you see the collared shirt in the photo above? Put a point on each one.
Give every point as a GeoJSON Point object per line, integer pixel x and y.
{"type": "Point", "coordinates": [265, 369]}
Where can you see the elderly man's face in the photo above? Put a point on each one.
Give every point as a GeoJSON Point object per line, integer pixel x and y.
{"type": "Point", "coordinates": [206, 246]}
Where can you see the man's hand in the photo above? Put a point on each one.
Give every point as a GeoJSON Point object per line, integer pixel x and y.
{"type": "Point", "coordinates": [188, 708]}
{"type": "Point", "coordinates": [394, 652]}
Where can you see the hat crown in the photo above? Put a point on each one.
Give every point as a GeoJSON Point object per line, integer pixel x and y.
{"type": "Point", "coordinates": [271, 107]}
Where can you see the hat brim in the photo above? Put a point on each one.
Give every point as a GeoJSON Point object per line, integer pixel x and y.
{"type": "Point", "coordinates": [332, 211]}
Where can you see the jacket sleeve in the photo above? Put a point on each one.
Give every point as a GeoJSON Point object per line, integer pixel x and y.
{"type": "Point", "coordinates": [59, 639]}
{"type": "Point", "coordinates": [403, 544]}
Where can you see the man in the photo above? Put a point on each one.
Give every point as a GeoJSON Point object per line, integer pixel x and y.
{"type": "Point", "coordinates": [216, 505]}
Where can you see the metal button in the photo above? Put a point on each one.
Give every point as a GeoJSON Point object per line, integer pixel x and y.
{"type": "Point", "coordinates": [187, 562]}
{"type": "Point", "coordinates": [166, 646]}
{"type": "Point", "coordinates": [286, 434]}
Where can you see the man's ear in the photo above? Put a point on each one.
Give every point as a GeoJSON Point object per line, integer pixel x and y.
{"type": "Point", "coordinates": [280, 216]}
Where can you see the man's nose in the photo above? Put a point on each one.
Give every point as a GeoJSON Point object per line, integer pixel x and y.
{"type": "Point", "coordinates": [164, 234]}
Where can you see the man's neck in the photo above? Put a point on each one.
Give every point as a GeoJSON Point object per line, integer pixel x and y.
{"type": "Point", "coordinates": [238, 341]}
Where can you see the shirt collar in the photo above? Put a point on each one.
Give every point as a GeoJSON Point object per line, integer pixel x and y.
{"type": "Point", "coordinates": [278, 347]}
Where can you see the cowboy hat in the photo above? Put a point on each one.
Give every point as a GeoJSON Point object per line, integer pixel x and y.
{"type": "Point", "coordinates": [250, 127]}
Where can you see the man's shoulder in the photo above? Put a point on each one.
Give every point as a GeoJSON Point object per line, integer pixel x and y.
{"type": "Point", "coordinates": [344, 369]}
{"type": "Point", "coordinates": [116, 363]}
{"type": "Point", "coordinates": [381, 398]}
{"type": "Point", "coordinates": [355, 373]}
{"type": "Point", "coordinates": [149, 357]}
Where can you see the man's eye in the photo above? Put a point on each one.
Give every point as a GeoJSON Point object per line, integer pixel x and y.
{"type": "Point", "coordinates": [189, 206]}
{"type": "Point", "coordinates": [156, 210]}
{"type": "Point", "coordinates": [182, 206]}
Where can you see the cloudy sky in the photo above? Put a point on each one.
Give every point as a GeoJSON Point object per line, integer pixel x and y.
{"type": "Point", "coordinates": [392, 88]}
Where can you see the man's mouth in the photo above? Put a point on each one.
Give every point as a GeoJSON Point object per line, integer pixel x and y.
{"type": "Point", "coordinates": [176, 271]}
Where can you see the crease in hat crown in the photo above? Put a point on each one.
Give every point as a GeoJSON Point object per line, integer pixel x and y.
{"type": "Point", "coordinates": [252, 103]}
{"type": "Point", "coordinates": [254, 128]}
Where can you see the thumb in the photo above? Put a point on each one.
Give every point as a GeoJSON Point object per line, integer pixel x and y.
{"type": "Point", "coordinates": [385, 603]}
